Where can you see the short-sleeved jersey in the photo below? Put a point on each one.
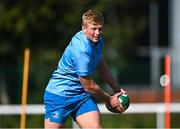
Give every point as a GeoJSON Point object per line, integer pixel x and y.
{"type": "Point", "coordinates": [80, 58]}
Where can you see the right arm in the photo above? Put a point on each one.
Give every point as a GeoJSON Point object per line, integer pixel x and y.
{"type": "Point", "coordinates": [93, 88]}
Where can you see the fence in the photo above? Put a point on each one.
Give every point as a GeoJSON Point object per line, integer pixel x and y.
{"type": "Point", "coordinates": [135, 108]}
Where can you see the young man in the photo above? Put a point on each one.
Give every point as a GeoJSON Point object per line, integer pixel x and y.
{"type": "Point", "coordinates": [71, 89]}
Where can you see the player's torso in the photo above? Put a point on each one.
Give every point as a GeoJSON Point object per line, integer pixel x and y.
{"type": "Point", "coordinates": [65, 79]}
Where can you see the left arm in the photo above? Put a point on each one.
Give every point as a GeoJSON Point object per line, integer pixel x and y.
{"type": "Point", "coordinates": [107, 76]}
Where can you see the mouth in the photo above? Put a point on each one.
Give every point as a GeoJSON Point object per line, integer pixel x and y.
{"type": "Point", "coordinates": [96, 37]}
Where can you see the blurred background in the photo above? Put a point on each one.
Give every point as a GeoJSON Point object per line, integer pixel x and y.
{"type": "Point", "coordinates": [137, 34]}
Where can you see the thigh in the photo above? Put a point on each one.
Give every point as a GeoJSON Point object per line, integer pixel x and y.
{"type": "Point", "coordinates": [89, 120]}
{"type": "Point", "coordinates": [87, 115]}
{"type": "Point", "coordinates": [48, 124]}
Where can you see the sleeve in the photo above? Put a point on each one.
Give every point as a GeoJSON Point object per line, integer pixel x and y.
{"type": "Point", "coordinates": [83, 63]}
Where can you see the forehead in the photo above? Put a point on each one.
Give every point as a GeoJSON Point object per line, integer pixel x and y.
{"type": "Point", "coordinates": [96, 25]}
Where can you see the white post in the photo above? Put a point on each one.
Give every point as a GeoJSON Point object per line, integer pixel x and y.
{"type": "Point", "coordinates": [160, 118]}
{"type": "Point", "coordinates": [154, 39]}
{"type": "Point", "coordinates": [174, 31]}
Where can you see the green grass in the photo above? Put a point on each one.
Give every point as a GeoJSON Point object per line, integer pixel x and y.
{"type": "Point", "coordinates": [108, 121]}
{"type": "Point", "coordinates": [129, 121]}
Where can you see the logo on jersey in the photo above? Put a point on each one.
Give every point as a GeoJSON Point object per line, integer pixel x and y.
{"type": "Point", "coordinates": [55, 115]}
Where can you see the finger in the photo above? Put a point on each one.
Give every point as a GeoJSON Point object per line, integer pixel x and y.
{"type": "Point", "coordinates": [118, 94]}
{"type": "Point", "coordinates": [119, 109]}
{"type": "Point", "coordinates": [121, 106]}
{"type": "Point", "coordinates": [123, 91]}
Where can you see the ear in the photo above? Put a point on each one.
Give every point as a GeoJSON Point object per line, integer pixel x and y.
{"type": "Point", "coordinates": [84, 29]}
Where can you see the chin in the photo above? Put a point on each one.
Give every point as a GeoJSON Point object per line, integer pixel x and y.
{"type": "Point", "coordinates": [95, 41]}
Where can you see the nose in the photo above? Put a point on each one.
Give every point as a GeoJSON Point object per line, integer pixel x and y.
{"type": "Point", "coordinates": [97, 31]}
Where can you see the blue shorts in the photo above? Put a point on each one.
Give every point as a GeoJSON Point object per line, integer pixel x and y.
{"type": "Point", "coordinates": [58, 108]}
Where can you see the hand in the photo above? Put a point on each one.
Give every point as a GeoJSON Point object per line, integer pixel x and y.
{"type": "Point", "coordinates": [120, 90]}
{"type": "Point", "coordinates": [123, 91]}
{"type": "Point", "coordinates": [115, 103]}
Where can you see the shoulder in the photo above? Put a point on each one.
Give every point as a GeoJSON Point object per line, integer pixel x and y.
{"type": "Point", "coordinates": [79, 36]}
{"type": "Point", "coordinates": [80, 42]}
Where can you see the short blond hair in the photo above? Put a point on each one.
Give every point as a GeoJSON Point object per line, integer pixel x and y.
{"type": "Point", "coordinates": [92, 17]}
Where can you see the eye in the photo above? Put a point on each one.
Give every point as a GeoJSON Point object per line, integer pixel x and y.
{"type": "Point", "coordinates": [100, 29]}
{"type": "Point", "coordinates": [94, 28]}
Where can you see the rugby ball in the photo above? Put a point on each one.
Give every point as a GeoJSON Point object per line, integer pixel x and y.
{"type": "Point", "coordinates": [124, 100]}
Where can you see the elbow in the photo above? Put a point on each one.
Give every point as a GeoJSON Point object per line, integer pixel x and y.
{"type": "Point", "coordinates": [89, 85]}
{"type": "Point", "coordinates": [89, 88]}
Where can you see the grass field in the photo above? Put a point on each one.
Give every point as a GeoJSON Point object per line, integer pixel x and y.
{"type": "Point", "coordinates": [108, 121]}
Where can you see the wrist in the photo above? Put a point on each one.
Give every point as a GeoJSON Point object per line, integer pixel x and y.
{"type": "Point", "coordinates": [108, 99]}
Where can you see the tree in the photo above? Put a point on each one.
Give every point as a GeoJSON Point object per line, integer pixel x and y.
{"type": "Point", "coordinates": [46, 28]}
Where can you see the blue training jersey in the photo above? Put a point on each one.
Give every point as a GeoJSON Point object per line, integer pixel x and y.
{"type": "Point", "coordinates": [80, 58]}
